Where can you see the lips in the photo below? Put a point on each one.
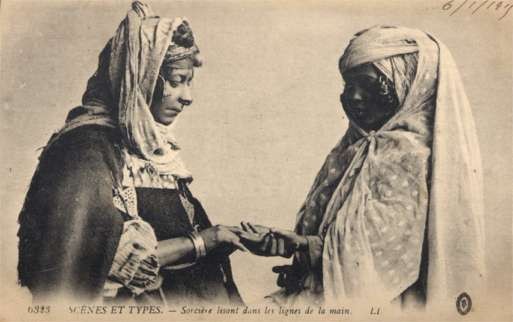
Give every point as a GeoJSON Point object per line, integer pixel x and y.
{"type": "Point", "coordinates": [357, 113]}
{"type": "Point", "coordinates": [173, 110]}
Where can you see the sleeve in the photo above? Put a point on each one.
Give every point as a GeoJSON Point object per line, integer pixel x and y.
{"type": "Point", "coordinates": [69, 228]}
{"type": "Point", "coordinates": [135, 264]}
{"type": "Point", "coordinates": [315, 246]}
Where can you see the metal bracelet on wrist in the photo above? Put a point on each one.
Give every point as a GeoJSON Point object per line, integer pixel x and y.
{"type": "Point", "coordinates": [199, 244]}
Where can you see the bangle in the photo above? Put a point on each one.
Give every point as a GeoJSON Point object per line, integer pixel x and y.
{"type": "Point", "coordinates": [199, 244]}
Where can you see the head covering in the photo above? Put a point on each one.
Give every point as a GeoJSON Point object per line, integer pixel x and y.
{"type": "Point", "coordinates": [120, 92]}
{"type": "Point", "coordinates": [377, 191]}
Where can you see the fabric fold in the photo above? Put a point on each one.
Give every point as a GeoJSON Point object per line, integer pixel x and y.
{"type": "Point", "coordinates": [120, 92]}
{"type": "Point", "coordinates": [378, 192]}
{"type": "Point", "coordinates": [135, 264]}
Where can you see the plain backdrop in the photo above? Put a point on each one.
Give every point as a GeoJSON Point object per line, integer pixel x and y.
{"type": "Point", "coordinates": [265, 111]}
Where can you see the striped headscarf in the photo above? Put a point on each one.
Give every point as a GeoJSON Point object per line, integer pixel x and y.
{"type": "Point", "coordinates": [120, 92]}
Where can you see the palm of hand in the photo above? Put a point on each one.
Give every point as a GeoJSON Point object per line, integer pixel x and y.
{"type": "Point", "coordinates": [255, 237]}
{"type": "Point", "coordinates": [264, 241]}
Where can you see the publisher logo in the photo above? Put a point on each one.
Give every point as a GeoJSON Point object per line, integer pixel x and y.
{"type": "Point", "coordinates": [463, 303]}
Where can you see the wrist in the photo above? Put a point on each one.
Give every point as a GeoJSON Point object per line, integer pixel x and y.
{"type": "Point", "coordinates": [209, 238]}
{"type": "Point", "coordinates": [301, 243]}
{"type": "Point", "coordinates": [200, 245]}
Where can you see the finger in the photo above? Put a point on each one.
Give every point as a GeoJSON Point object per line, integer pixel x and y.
{"type": "Point", "coordinates": [245, 235]}
{"type": "Point", "coordinates": [280, 269]}
{"type": "Point", "coordinates": [281, 280]}
{"type": "Point", "coordinates": [282, 232]}
{"type": "Point", "coordinates": [265, 247]}
{"type": "Point", "coordinates": [289, 236]}
{"type": "Point", "coordinates": [245, 227]}
{"type": "Point", "coordinates": [250, 237]}
{"type": "Point", "coordinates": [261, 229]}
{"type": "Point", "coordinates": [281, 246]}
{"type": "Point", "coordinates": [233, 239]}
{"type": "Point", "coordinates": [274, 246]}
{"type": "Point", "coordinates": [253, 228]}
{"type": "Point", "coordinates": [235, 230]}
{"type": "Point", "coordinates": [239, 246]}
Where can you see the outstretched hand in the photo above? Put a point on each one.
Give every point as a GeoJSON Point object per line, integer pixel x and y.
{"type": "Point", "coordinates": [254, 237]}
{"type": "Point", "coordinates": [264, 241]}
{"type": "Point", "coordinates": [222, 238]}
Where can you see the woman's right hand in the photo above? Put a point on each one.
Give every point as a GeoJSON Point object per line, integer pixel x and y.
{"type": "Point", "coordinates": [264, 241]}
{"type": "Point", "coordinates": [220, 236]}
{"type": "Point", "coordinates": [288, 277]}
{"type": "Point", "coordinates": [255, 238]}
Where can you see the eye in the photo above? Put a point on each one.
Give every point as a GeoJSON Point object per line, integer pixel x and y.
{"type": "Point", "coordinates": [175, 81]}
{"type": "Point", "coordinates": [371, 87]}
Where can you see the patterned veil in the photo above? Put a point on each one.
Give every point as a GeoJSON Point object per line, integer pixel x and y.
{"type": "Point", "coordinates": [383, 196]}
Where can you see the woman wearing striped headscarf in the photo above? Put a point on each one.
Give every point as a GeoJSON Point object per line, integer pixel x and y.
{"type": "Point", "coordinates": [109, 214]}
{"type": "Point", "coordinates": [396, 210]}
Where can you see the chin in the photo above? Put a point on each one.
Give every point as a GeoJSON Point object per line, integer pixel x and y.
{"type": "Point", "coordinates": [166, 121]}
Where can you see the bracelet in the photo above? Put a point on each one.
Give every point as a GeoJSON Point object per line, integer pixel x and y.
{"type": "Point", "coordinates": [199, 244]}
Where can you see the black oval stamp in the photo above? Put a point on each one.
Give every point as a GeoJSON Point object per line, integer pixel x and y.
{"type": "Point", "coordinates": [463, 303]}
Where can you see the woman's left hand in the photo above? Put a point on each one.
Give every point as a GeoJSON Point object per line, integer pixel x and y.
{"type": "Point", "coordinates": [272, 241]}
{"type": "Point", "coordinates": [221, 237]}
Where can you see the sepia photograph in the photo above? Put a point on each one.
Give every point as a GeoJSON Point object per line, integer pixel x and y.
{"type": "Point", "coordinates": [173, 160]}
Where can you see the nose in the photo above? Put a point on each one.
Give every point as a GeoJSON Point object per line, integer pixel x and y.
{"type": "Point", "coordinates": [355, 93]}
{"type": "Point", "coordinates": [353, 98]}
{"type": "Point", "coordinates": [185, 96]}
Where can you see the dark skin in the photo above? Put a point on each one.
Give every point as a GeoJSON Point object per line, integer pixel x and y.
{"type": "Point", "coordinates": [265, 241]}
{"type": "Point", "coordinates": [368, 107]}
{"type": "Point", "coordinates": [362, 100]}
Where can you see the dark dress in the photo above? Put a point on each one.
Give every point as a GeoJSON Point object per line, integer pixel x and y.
{"type": "Point", "coordinates": [70, 228]}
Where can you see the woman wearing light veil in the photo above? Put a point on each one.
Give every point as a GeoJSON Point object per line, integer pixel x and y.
{"type": "Point", "coordinates": [396, 210]}
{"type": "Point", "coordinates": [109, 214]}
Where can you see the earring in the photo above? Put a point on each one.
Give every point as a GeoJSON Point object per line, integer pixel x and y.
{"type": "Point", "coordinates": [387, 90]}
{"type": "Point", "coordinates": [384, 85]}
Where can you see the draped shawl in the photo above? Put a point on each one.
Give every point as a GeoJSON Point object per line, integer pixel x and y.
{"type": "Point", "coordinates": [120, 92]}
{"type": "Point", "coordinates": [379, 193]}
{"type": "Point", "coordinates": [69, 225]}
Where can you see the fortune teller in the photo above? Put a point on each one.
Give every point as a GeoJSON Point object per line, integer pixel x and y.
{"type": "Point", "coordinates": [109, 214]}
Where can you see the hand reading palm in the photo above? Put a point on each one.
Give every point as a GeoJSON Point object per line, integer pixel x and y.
{"type": "Point", "coordinates": [265, 241]}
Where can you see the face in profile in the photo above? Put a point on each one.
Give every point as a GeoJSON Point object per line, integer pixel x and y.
{"type": "Point", "coordinates": [172, 94]}
{"type": "Point", "coordinates": [366, 99]}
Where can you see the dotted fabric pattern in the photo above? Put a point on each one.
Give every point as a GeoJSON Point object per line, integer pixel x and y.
{"type": "Point", "coordinates": [369, 201]}
{"type": "Point", "coordinates": [379, 230]}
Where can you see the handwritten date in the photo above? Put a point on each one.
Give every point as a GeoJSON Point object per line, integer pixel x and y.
{"type": "Point", "coordinates": [500, 8]}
